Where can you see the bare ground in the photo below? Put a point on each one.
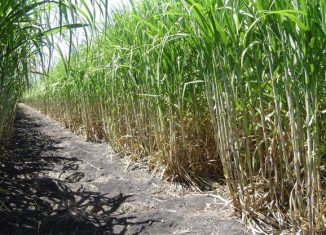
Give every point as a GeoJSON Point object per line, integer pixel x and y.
{"type": "Point", "coordinates": [53, 182]}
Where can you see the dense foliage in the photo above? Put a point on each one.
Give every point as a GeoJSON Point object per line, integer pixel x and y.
{"type": "Point", "coordinates": [26, 28]}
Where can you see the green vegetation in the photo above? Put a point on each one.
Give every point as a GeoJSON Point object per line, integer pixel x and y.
{"type": "Point", "coordinates": [210, 88]}
{"type": "Point", "coordinates": [25, 29]}
{"type": "Point", "coordinates": [15, 31]}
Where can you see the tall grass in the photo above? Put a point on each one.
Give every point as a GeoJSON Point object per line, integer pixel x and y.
{"type": "Point", "coordinates": [209, 89]}
{"type": "Point", "coordinates": [26, 28]}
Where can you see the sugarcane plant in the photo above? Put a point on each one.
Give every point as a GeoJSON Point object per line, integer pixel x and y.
{"type": "Point", "coordinates": [26, 29]}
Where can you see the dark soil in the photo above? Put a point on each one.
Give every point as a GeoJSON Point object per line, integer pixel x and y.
{"type": "Point", "coordinates": [53, 182]}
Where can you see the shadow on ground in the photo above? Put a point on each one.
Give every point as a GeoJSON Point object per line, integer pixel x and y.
{"type": "Point", "coordinates": [32, 203]}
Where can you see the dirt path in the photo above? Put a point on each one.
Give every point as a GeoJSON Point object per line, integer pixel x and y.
{"type": "Point", "coordinates": [53, 182]}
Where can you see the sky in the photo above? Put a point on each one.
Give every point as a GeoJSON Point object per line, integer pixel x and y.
{"type": "Point", "coordinates": [80, 33]}
{"type": "Point", "coordinates": [100, 18]}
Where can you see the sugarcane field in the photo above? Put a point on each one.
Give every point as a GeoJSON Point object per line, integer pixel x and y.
{"type": "Point", "coordinates": [162, 117]}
